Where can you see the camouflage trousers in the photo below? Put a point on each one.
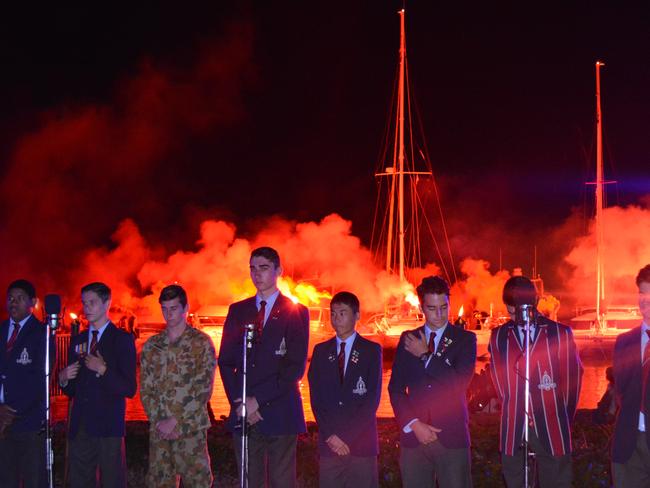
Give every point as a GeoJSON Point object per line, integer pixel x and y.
{"type": "Point", "coordinates": [186, 456]}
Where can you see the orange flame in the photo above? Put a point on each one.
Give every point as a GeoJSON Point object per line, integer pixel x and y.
{"type": "Point", "coordinates": [73, 316]}
{"type": "Point", "coordinates": [461, 311]}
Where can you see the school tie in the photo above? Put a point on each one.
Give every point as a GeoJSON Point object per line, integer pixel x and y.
{"type": "Point", "coordinates": [259, 320]}
{"type": "Point", "coordinates": [14, 336]}
{"type": "Point", "coordinates": [93, 342]}
{"type": "Point", "coordinates": [342, 362]}
{"type": "Point", "coordinates": [432, 342]}
{"type": "Point", "coordinates": [646, 371]}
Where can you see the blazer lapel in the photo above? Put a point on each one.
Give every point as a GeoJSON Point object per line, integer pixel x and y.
{"type": "Point", "coordinates": [353, 363]}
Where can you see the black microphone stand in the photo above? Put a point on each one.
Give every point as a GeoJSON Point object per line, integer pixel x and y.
{"type": "Point", "coordinates": [52, 310]}
{"type": "Point", "coordinates": [525, 316]}
{"type": "Point", "coordinates": [249, 337]}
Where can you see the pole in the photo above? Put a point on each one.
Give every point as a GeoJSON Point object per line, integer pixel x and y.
{"type": "Point", "coordinates": [600, 278]}
{"type": "Point", "coordinates": [249, 332]}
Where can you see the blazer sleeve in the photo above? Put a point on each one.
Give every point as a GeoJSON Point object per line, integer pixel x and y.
{"type": "Point", "coordinates": [356, 423]}
{"type": "Point", "coordinates": [326, 424]}
{"type": "Point", "coordinates": [497, 370]}
{"type": "Point", "coordinates": [230, 355]}
{"type": "Point", "coordinates": [120, 378]}
{"type": "Point", "coordinates": [572, 370]}
{"type": "Point", "coordinates": [294, 363]}
{"type": "Point", "coordinates": [400, 400]}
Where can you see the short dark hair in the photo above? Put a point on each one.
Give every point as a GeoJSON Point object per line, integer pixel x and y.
{"type": "Point", "coordinates": [519, 290]}
{"type": "Point", "coordinates": [643, 276]}
{"type": "Point", "coordinates": [102, 290]}
{"type": "Point", "coordinates": [432, 285]}
{"type": "Point", "coordinates": [173, 291]}
{"type": "Point", "coordinates": [268, 253]}
{"type": "Point", "coordinates": [346, 298]}
{"type": "Point", "coordinates": [24, 285]}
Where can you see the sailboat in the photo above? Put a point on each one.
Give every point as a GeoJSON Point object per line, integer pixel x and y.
{"type": "Point", "coordinates": [604, 318]}
{"type": "Point", "coordinates": [401, 223]}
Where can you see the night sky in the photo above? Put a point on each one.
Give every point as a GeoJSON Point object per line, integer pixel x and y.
{"type": "Point", "coordinates": [257, 109]}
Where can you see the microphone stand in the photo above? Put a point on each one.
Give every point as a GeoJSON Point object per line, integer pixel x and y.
{"type": "Point", "coordinates": [526, 312]}
{"type": "Point", "coordinates": [52, 324]}
{"type": "Point", "coordinates": [249, 336]}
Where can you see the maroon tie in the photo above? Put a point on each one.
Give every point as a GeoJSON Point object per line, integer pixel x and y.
{"type": "Point", "coordinates": [646, 371]}
{"type": "Point", "coordinates": [259, 320]}
{"type": "Point", "coordinates": [342, 362]}
{"type": "Point", "coordinates": [432, 342]}
{"type": "Point", "coordinates": [93, 342]}
{"type": "Point", "coordinates": [14, 336]}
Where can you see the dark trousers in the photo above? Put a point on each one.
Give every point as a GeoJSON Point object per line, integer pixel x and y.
{"type": "Point", "coordinates": [422, 466]}
{"type": "Point", "coordinates": [348, 472]}
{"type": "Point", "coordinates": [89, 456]}
{"type": "Point", "coordinates": [552, 471]}
{"type": "Point", "coordinates": [635, 473]}
{"type": "Point", "coordinates": [270, 457]}
{"type": "Point", "coordinates": [22, 457]}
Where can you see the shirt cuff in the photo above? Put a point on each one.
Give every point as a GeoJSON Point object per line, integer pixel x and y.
{"type": "Point", "coordinates": [407, 428]}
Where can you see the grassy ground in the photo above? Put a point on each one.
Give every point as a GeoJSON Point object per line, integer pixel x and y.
{"type": "Point", "coordinates": [590, 458]}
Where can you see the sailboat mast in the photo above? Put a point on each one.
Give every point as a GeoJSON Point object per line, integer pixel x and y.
{"type": "Point", "coordinates": [400, 196]}
{"type": "Point", "coordinates": [600, 278]}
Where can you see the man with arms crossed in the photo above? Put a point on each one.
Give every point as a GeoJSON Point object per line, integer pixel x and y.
{"type": "Point", "coordinates": [555, 375]}
{"type": "Point", "coordinates": [345, 387]}
{"type": "Point", "coordinates": [22, 391]}
{"type": "Point", "coordinates": [631, 444]}
{"type": "Point", "coordinates": [432, 370]}
{"type": "Point", "coordinates": [276, 363]}
{"type": "Point", "coordinates": [100, 376]}
{"type": "Point", "coordinates": [176, 377]}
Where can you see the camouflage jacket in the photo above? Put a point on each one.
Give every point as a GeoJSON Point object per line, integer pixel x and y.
{"type": "Point", "coordinates": [176, 379]}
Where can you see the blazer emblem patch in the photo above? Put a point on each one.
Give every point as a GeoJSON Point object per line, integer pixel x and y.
{"type": "Point", "coordinates": [361, 387]}
{"type": "Point", "coordinates": [282, 350]}
{"type": "Point", "coordinates": [547, 383]}
{"type": "Point", "coordinates": [24, 358]}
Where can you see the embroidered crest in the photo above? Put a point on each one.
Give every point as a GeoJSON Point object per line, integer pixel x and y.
{"type": "Point", "coordinates": [446, 342]}
{"type": "Point", "coordinates": [547, 383]}
{"type": "Point", "coordinates": [282, 351]}
{"type": "Point", "coordinates": [361, 387]}
{"type": "Point", "coordinates": [24, 358]}
{"type": "Point", "coordinates": [332, 358]}
{"type": "Point", "coordinates": [354, 357]}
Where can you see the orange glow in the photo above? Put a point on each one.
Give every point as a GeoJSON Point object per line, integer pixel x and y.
{"type": "Point", "coordinates": [461, 311]}
{"type": "Point", "coordinates": [73, 316]}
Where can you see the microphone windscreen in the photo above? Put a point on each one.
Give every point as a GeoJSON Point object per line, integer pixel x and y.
{"type": "Point", "coordinates": [52, 304]}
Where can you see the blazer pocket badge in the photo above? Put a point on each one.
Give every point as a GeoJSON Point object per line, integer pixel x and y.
{"type": "Point", "coordinates": [360, 388]}
{"type": "Point", "coordinates": [24, 358]}
{"type": "Point", "coordinates": [547, 383]}
{"type": "Point", "coordinates": [282, 350]}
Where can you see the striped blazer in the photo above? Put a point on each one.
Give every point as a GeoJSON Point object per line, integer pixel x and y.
{"type": "Point", "coordinates": [555, 380]}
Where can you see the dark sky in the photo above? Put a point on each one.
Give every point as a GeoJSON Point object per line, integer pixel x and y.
{"type": "Point", "coordinates": [289, 118]}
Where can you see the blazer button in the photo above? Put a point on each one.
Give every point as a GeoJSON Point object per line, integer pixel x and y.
{"type": "Point", "coordinates": [341, 403]}
{"type": "Point", "coordinates": [428, 386]}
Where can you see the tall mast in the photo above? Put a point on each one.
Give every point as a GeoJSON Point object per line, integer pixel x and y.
{"type": "Point", "coordinates": [400, 156]}
{"type": "Point", "coordinates": [600, 276]}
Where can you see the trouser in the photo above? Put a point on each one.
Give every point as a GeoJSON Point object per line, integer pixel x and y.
{"type": "Point", "coordinates": [87, 454]}
{"type": "Point", "coordinates": [186, 457]}
{"type": "Point", "coordinates": [22, 457]}
{"type": "Point", "coordinates": [348, 472]}
{"type": "Point", "coordinates": [552, 471]}
{"type": "Point", "coordinates": [271, 457]}
{"type": "Point", "coordinates": [635, 473]}
{"type": "Point", "coordinates": [425, 464]}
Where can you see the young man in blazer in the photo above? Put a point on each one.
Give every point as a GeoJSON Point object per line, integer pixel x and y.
{"type": "Point", "coordinates": [22, 391]}
{"type": "Point", "coordinates": [631, 444]}
{"type": "Point", "coordinates": [100, 376]}
{"type": "Point", "coordinates": [431, 373]}
{"type": "Point", "coordinates": [276, 363]}
{"type": "Point", "coordinates": [555, 377]}
{"type": "Point", "coordinates": [345, 387]}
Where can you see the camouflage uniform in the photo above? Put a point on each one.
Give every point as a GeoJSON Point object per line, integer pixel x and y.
{"type": "Point", "coordinates": [176, 381]}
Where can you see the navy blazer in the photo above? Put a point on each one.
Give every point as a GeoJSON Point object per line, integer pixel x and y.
{"type": "Point", "coordinates": [628, 378]}
{"type": "Point", "coordinates": [348, 410]}
{"type": "Point", "coordinates": [435, 393]}
{"type": "Point", "coordinates": [22, 374]}
{"type": "Point", "coordinates": [101, 400]}
{"type": "Point", "coordinates": [276, 364]}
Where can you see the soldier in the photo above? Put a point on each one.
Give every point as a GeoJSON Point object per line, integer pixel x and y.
{"type": "Point", "coordinates": [175, 385]}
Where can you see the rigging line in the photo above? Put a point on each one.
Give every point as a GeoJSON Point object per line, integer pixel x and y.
{"type": "Point", "coordinates": [435, 242]}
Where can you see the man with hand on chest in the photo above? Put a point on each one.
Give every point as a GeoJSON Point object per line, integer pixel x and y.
{"type": "Point", "coordinates": [433, 367]}
{"type": "Point", "coordinates": [276, 363]}
{"type": "Point", "coordinates": [99, 377]}
{"type": "Point", "coordinates": [345, 387]}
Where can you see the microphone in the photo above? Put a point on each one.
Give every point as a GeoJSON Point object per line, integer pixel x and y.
{"type": "Point", "coordinates": [53, 310]}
